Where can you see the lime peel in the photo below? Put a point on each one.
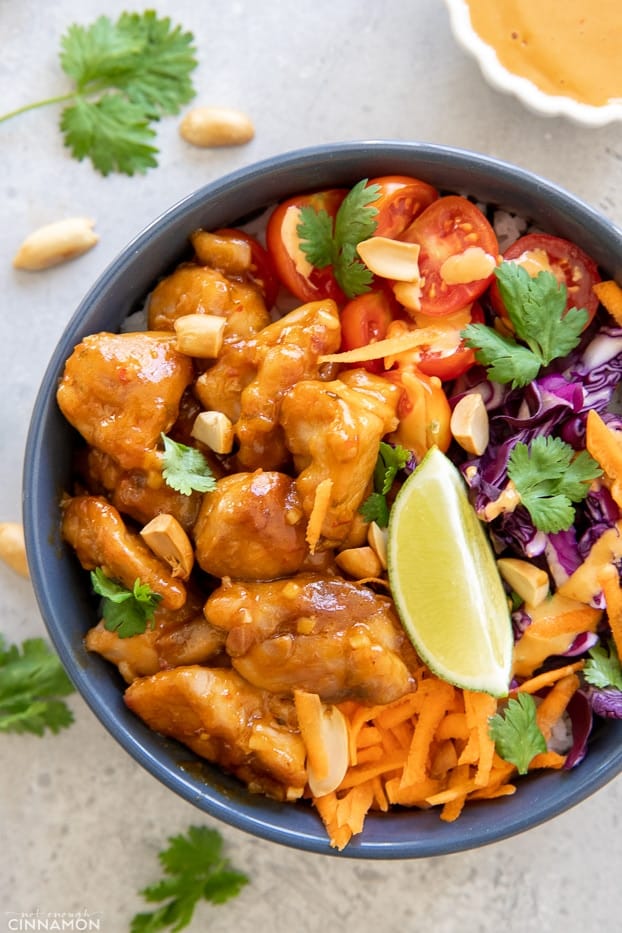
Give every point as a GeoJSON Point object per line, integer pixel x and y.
{"type": "Point", "coordinates": [445, 582]}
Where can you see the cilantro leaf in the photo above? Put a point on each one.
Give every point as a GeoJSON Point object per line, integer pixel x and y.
{"type": "Point", "coordinates": [516, 733]}
{"type": "Point", "coordinates": [536, 307]}
{"type": "Point", "coordinates": [185, 468]}
{"type": "Point", "coordinates": [126, 74]}
{"type": "Point", "coordinates": [32, 681]}
{"type": "Point", "coordinates": [507, 361]}
{"type": "Point", "coordinates": [550, 477]}
{"type": "Point", "coordinates": [196, 869]}
{"type": "Point", "coordinates": [391, 459]}
{"type": "Point", "coordinates": [603, 669]}
{"type": "Point", "coordinates": [333, 243]}
{"type": "Point", "coordinates": [125, 612]}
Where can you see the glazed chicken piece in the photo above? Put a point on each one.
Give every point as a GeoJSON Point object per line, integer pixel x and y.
{"type": "Point", "coordinates": [250, 378]}
{"type": "Point", "coordinates": [334, 429]}
{"type": "Point", "coordinates": [195, 289]}
{"type": "Point", "coordinates": [179, 637]}
{"type": "Point", "coordinates": [135, 493]}
{"type": "Point", "coordinates": [100, 538]}
{"type": "Point", "coordinates": [224, 719]}
{"type": "Point", "coordinates": [121, 391]}
{"type": "Point", "coordinates": [251, 527]}
{"type": "Point", "coordinates": [320, 634]}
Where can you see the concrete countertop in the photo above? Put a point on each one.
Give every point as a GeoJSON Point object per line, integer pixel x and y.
{"type": "Point", "coordinates": [80, 823]}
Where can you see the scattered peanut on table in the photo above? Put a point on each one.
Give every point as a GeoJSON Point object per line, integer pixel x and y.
{"type": "Point", "coordinates": [55, 243]}
{"type": "Point", "coordinates": [13, 547]}
{"type": "Point", "coordinates": [216, 126]}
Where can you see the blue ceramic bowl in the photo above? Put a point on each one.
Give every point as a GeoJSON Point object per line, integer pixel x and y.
{"type": "Point", "coordinates": [63, 590]}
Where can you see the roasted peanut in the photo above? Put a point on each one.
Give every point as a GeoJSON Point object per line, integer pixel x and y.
{"type": "Point", "coordinates": [391, 259]}
{"type": "Point", "coordinates": [200, 335]}
{"type": "Point", "coordinates": [168, 540]}
{"type": "Point", "coordinates": [55, 243]}
{"type": "Point", "coordinates": [13, 547]}
{"type": "Point", "coordinates": [215, 430]}
{"type": "Point", "coordinates": [216, 126]}
{"type": "Point", "coordinates": [469, 424]}
{"type": "Point", "coordinates": [359, 562]}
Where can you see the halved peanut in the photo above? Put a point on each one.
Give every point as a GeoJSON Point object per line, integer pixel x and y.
{"type": "Point", "coordinates": [377, 538]}
{"type": "Point", "coordinates": [13, 547]}
{"type": "Point", "coordinates": [168, 540]}
{"type": "Point", "coordinates": [469, 424]}
{"type": "Point", "coordinates": [216, 126]}
{"type": "Point", "coordinates": [530, 582]}
{"type": "Point", "coordinates": [55, 243]}
{"type": "Point", "coordinates": [391, 259]}
{"type": "Point", "coordinates": [359, 562]}
{"type": "Point", "coordinates": [324, 731]}
{"type": "Point", "coordinates": [230, 254]}
{"type": "Point", "coordinates": [409, 294]}
{"type": "Point", "coordinates": [215, 430]}
{"type": "Point", "coordinates": [200, 335]}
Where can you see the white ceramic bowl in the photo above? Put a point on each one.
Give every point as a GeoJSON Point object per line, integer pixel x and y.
{"type": "Point", "coordinates": [527, 92]}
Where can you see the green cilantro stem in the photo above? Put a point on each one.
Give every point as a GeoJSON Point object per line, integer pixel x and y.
{"type": "Point", "coordinates": [59, 99]}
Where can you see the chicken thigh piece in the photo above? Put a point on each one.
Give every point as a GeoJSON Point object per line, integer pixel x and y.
{"type": "Point", "coordinates": [334, 429]}
{"type": "Point", "coordinates": [316, 633]}
{"type": "Point", "coordinates": [195, 289]}
{"type": "Point", "coordinates": [179, 637]}
{"type": "Point", "coordinates": [227, 721]}
{"type": "Point", "coordinates": [100, 538]}
{"type": "Point", "coordinates": [251, 377]}
{"type": "Point", "coordinates": [121, 391]}
{"type": "Point", "coordinates": [251, 527]}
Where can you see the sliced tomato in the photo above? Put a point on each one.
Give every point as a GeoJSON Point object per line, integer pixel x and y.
{"type": "Point", "coordinates": [366, 319]}
{"type": "Point", "coordinates": [293, 268]}
{"type": "Point", "coordinates": [434, 362]}
{"type": "Point", "coordinates": [568, 263]}
{"type": "Point", "coordinates": [448, 227]}
{"type": "Point", "coordinates": [262, 270]}
{"type": "Point", "coordinates": [402, 198]}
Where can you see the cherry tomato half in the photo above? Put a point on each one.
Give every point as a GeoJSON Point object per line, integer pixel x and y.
{"type": "Point", "coordinates": [402, 198]}
{"type": "Point", "coordinates": [448, 227]}
{"type": "Point", "coordinates": [262, 270]}
{"type": "Point", "coordinates": [433, 362]}
{"type": "Point", "coordinates": [364, 320]}
{"type": "Point", "coordinates": [293, 268]}
{"type": "Point", "coordinates": [567, 262]}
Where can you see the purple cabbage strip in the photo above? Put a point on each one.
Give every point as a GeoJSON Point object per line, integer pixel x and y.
{"type": "Point", "coordinates": [580, 713]}
{"type": "Point", "coordinates": [605, 701]}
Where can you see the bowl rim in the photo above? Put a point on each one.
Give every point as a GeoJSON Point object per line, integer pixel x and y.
{"type": "Point", "coordinates": [98, 682]}
{"type": "Point", "coordinates": [531, 96]}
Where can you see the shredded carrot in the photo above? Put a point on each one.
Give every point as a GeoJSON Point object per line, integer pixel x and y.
{"type": "Point", "coordinates": [549, 677]}
{"type": "Point", "coordinates": [423, 336]}
{"type": "Point", "coordinates": [609, 294]}
{"type": "Point", "coordinates": [554, 704]}
{"type": "Point", "coordinates": [609, 579]}
{"type": "Point", "coordinates": [437, 703]}
{"type": "Point", "coordinates": [547, 760]}
{"type": "Point", "coordinates": [605, 445]}
{"type": "Point", "coordinates": [321, 502]}
{"type": "Point", "coordinates": [309, 713]}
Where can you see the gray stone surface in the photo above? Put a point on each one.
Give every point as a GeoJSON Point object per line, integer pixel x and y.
{"type": "Point", "coordinates": [80, 823]}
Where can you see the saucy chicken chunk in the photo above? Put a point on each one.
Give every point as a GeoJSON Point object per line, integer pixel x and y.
{"type": "Point", "coordinates": [316, 633]}
{"type": "Point", "coordinates": [121, 391]}
{"type": "Point", "coordinates": [224, 719]}
{"type": "Point", "coordinates": [251, 377]}
{"type": "Point", "coordinates": [252, 527]}
{"type": "Point", "coordinates": [334, 429]}
{"type": "Point", "coordinates": [100, 538]}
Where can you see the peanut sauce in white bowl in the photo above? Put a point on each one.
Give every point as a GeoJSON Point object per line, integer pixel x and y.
{"type": "Point", "coordinates": [557, 59]}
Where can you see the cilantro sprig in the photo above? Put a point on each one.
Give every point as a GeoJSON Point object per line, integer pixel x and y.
{"type": "Point", "coordinates": [391, 459]}
{"type": "Point", "coordinates": [602, 668]}
{"type": "Point", "coordinates": [549, 477]}
{"type": "Point", "coordinates": [327, 242]}
{"type": "Point", "coordinates": [126, 612]}
{"type": "Point", "coordinates": [516, 734]}
{"type": "Point", "coordinates": [536, 307]}
{"type": "Point", "coordinates": [185, 468]}
{"type": "Point", "coordinates": [126, 74]}
{"type": "Point", "coordinates": [195, 869]}
{"type": "Point", "coordinates": [32, 682]}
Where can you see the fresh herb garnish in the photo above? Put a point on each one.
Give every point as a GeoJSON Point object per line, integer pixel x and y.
{"type": "Point", "coordinates": [536, 307]}
{"type": "Point", "coordinates": [31, 684]}
{"type": "Point", "coordinates": [327, 243]}
{"type": "Point", "coordinates": [195, 870]}
{"type": "Point", "coordinates": [516, 734]}
{"type": "Point", "coordinates": [550, 476]}
{"type": "Point", "coordinates": [126, 612]}
{"type": "Point", "coordinates": [391, 459]}
{"type": "Point", "coordinates": [126, 74]}
{"type": "Point", "coordinates": [185, 468]}
{"type": "Point", "coordinates": [603, 669]}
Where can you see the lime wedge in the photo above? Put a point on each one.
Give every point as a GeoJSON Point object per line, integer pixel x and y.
{"type": "Point", "coordinates": [445, 582]}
